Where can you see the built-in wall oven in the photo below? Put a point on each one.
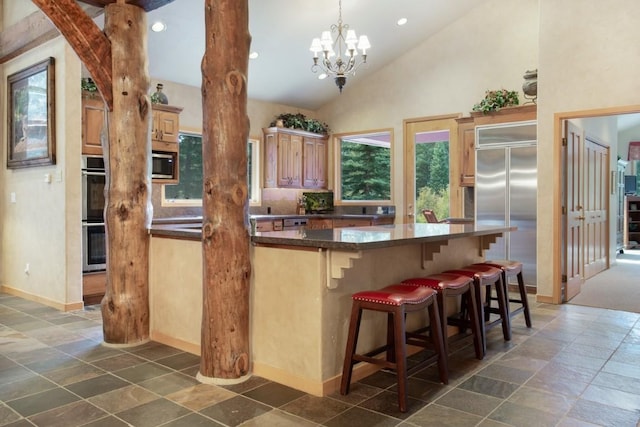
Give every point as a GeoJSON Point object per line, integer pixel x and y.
{"type": "Point", "coordinates": [94, 244]}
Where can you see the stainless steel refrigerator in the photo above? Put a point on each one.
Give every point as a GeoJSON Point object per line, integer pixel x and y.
{"type": "Point", "coordinates": [505, 190]}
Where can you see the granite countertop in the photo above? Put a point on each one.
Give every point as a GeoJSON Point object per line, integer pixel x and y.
{"type": "Point", "coordinates": [372, 237]}
{"type": "Point", "coordinates": [353, 238]}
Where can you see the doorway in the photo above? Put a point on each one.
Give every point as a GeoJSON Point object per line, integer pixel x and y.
{"type": "Point", "coordinates": [588, 245]}
{"type": "Point", "coordinates": [430, 150]}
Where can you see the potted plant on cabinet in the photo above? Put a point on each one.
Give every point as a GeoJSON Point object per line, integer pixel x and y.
{"type": "Point", "coordinates": [497, 99]}
{"type": "Point", "coordinates": [300, 121]}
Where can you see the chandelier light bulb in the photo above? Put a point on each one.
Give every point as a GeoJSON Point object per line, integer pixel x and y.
{"type": "Point", "coordinates": [343, 44]}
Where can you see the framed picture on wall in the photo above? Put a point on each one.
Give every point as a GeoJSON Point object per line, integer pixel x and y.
{"type": "Point", "coordinates": [31, 118]}
{"type": "Point", "coordinates": [634, 151]}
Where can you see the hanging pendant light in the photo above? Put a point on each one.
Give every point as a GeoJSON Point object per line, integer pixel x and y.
{"type": "Point", "coordinates": [338, 57]}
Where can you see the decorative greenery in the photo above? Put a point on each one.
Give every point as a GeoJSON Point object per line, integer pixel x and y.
{"type": "Point", "coordinates": [300, 121]}
{"type": "Point", "coordinates": [497, 99]}
{"type": "Point", "coordinates": [89, 85]}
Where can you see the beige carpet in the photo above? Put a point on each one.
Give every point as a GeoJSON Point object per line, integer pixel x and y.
{"type": "Point", "coordinates": [617, 288]}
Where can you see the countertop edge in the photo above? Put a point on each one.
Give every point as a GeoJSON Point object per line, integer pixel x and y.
{"type": "Point", "coordinates": [265, 238]}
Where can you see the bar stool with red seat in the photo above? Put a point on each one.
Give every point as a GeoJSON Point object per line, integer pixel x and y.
{"type": "Point", "coordinates": [512, 268]}
{"type": "Point", "coordinates": [448, 286]}
{"type": "Point", "coordinates": [486, 276]}
{"type": "Point", "coordinates": [395, 300]}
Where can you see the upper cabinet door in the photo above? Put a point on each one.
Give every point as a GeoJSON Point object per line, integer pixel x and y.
{"type": "Point", "coordinates": [166, 123]}
{"type": "Point", "coordinates": [93, 111]}
{"type": "Point", "coordinates": [294, 159]}
{"type": "Point", "coordinates": [315, 163]}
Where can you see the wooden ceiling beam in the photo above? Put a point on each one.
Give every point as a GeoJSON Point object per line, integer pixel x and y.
{"type": "Point", "coordinates": [147, 5]}
{"type": "Point", "coordinates": [86, 39]}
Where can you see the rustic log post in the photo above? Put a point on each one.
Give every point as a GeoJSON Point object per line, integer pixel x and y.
{"type": "Point", "coordinates": [128, 210]}
{"type": "Point", "coordinates": [225, 238]}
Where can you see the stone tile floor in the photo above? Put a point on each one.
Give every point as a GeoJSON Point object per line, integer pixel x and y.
{"type": "Point", "coordinates": [577, 366]}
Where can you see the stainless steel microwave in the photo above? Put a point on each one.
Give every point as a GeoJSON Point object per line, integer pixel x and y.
{"type": "Point", "coordinates": [163, 165]}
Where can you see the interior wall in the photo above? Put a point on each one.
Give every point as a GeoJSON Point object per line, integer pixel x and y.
{"type": "Point", "coordinates": [41, 228]}
{"type": "Point", "coordinates": [588, 51]}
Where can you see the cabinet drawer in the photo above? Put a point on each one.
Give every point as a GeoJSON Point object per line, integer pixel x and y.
{"type": "Point", "coordinates": [264, 225]}
{"type": "Point", "coordinates": [347, 222]}
{"type": "Point", "coordinates": [94, 283]}
{"type": "Point", "coordinates": [320, 224]}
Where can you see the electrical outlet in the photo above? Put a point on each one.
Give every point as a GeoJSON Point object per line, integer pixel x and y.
{"type": "Point", "coordinates": [26, 268]}
{"type": "Point", "coordinates": [13, 197]}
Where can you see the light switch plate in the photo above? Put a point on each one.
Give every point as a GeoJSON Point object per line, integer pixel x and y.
{"type": "Point", "coordinates": [13, 197]}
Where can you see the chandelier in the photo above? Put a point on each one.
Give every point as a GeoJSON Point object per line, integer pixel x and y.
{"type": "Point", "coordinates": [344, 48]}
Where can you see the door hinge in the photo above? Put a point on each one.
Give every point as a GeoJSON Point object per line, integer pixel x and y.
{"type": "Point", "coordinates": [564, 278]}
{"type": "Point", "coordinates": [564, 210]}
{"type": "Point", "coordinates": [564, 141]}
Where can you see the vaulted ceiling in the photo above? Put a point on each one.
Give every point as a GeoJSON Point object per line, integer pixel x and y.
{"type": "Point", "coordinates": [281, 33]}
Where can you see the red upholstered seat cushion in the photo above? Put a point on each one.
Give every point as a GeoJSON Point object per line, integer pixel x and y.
{"type": "Point", "coordinates": [482, 271]}
{"type": "Point", "coordinates": [396, 295]}
{"type": "Point", "coordinates": [441, 281]}
{"type": "Point", "coordinates": [508, 265]}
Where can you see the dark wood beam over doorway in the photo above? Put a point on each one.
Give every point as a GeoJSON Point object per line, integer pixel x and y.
{"type": "Point", "coordinates": [147, 5]}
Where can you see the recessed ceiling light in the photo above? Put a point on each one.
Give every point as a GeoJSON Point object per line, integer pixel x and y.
{"type": "Point", "coordinates": [158, 26]}
{"type": "Point", "coordinates": [253, 55]}
{"type": "Point", "coordinates": [322, 76]}
{"type": "Point", "coordinates": [402, 21]}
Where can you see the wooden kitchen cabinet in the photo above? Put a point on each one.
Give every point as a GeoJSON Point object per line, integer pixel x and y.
{"type": "Point", "coordinates": [165, 127]}
{"type": "Point", "coordinates": [94, 286]}
{"type": "Point", "coordinates": [93, 121]}
{"type": "Point", "coordinates": [351, 222]}
{"type": "Point", "coordinates": [289, 170]}
{"type": "Point", "coordinates": [164, 130]}
{"type": "Point", "coordinates": [264, 225]}
{"type": "Point", "coordinates": [294, 159]}
{"type": "Point", "coordinates": [467, 135]}
{"type": "Point", "coordinates": [383, 221]}
{"type": "Point", "coordinates": [327, 223]}
{"type": "Point", "coordinates": [270, 160]}
{"type": "Point", "coordinates": [319, 223]}
{"type": "Point", "coordinates": [315, 162]}
{"type": "Point", "coordinates": [467, 139]}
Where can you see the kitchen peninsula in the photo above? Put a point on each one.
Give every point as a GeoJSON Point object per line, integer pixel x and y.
{"type": "Point", "coordinates": [301, 286]}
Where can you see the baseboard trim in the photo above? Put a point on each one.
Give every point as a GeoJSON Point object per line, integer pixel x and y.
{"type": "Point", "coordinates": [531, 289]}
{"type": "Point", "coordinates": [42, 300]}
{"type": "Point", "coordinates": [175, 343]}
{"type": "Point", "coordinates": [544, 299]}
